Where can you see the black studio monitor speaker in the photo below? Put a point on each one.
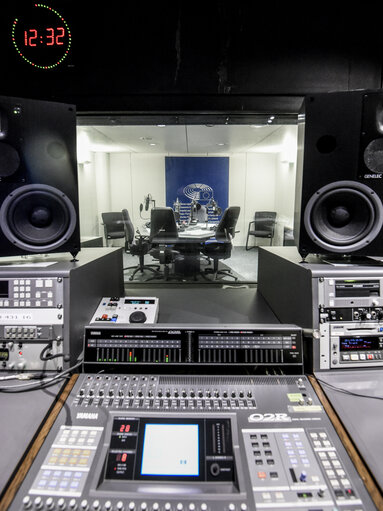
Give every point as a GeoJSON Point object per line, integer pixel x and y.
{"type": "Point", "coordinates": [339, 187]}
{"type": "Point", "coordinates": [38, 178]}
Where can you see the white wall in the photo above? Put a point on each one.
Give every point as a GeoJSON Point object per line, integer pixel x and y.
{"type": "Point", "coordinates": [257, 182]}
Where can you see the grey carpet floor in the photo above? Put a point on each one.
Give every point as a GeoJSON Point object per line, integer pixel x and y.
{"type": "Point", "coordinates": [242, 263]}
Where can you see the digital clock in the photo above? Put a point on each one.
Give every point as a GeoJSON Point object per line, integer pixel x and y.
{"type": "Point", "coordinates": [41, 36]}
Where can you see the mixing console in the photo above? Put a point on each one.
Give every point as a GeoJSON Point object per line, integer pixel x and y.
{"type": "Point", "coordinates": [130, 442]}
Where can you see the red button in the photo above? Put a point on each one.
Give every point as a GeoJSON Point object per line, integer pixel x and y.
{"type": "Point", "coordinates": [262, 475]}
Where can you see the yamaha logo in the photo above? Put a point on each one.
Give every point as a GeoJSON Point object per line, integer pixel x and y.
{"type": "Point", "coordinates": [87, 415]}
{"type": "Point", "coordinates": [269, 417]}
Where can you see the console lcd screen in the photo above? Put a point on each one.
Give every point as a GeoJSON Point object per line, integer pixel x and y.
{"type": "Point", "coordinates": [4, 289]}
{"type": "Point", "coordinates": [170, 450]}
{"type": "Point", "coordinates": [360, 343]}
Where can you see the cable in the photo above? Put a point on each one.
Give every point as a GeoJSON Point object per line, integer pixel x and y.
{"type": "Point", "coordinates": [48, 357]}
{"type": "Point", "coordinates": [348, 392]}
{"type": "Point", "coordinates": [45, 382]}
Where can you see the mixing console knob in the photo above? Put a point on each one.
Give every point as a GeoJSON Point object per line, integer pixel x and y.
{"type": "Point", "coordinates": [155, 506]}
{"type": "Point", "coordinates": [224, 394]}
{"type": "Point", "coordinates": [180, 506]}
{"type": "Point", "coordinates": [84, 505]}
{"type": "Point", "coordinates": [233, 394]}
{"type": "Point", "coordinates": [216, 393]}
{"type": "Point", "coordinates": [101, 392]}
{"type": "Point", "coordinates": [309, 401]}
{"type": "Point", "coordinates": [121, 393]}
{"type": "Point", "coordinates": [241, 394]}
{"type": "Point", "coordinates": [168, 394]}
{"type": "Point", "coordinates": [61, 503]}
{"type": "Point", "coordinates": [91, 392]}
{"type": "Point", "coordinates": [208, 393]}
{"type": "Point", "coordinates": [321, 492]}
{"type": "Point", "coordinates": [10, 345]}
{"type": "Point", "coordinates": [176, 394]}
{"type": "Point", "coordinates": [72, 504]}
{"type": "Point", "coordinates": [130, 393]}
{"type": "Point", "coordinates": [120, 505]}
{"type": "Point", "coordinates": [27, 502]}
{"type": "Point", "coordinates": [192, 393]}
{"type": "Point", "coordinates": [191, 507]}
{"type": "Point", "coordinates": [303, 476]}
{"type": "Point", "coordinates": [243, 507]}
{"type": "Point", "coordinates": [301, 401]}
{"type": "Point", "coordinates": [144, 506]}
{"type": "Point", "coordinates": [96, 505]}
{"type": "Point", "coordinates": [108, 505]}
{"type": "Point", "coordinates": [184, 393]}
{"type": "Point", "coordinates": [159, 393]}
{"type": "Point", "coordinates": [49, 503]}
{"type": "Point", "coordinates": [81, 392]}
{"type": "Point", "coordinates": [200, 393]}
{"type": "Point", "coordinates": [131, 506]}
{"type": "Point", "coordinates": [21, 365]}
{"type": "Point", "coordinates": [167, 506]}
{"type": "Point", "coordinates": [203, 506]}
{"type": "Point", "coordinates": [249, 394]}
{"type": "Point", "coordinates": [140, 394]}
{"type": "Point", "coordinates": [38, 503]}
{"type": "Point", "coordinates": [111, 393]}
{"type": "Point", "coordinates": [231, 507]}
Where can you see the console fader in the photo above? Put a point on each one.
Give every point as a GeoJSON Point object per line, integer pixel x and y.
{"type": "Point", "coordinates": [190, 442]}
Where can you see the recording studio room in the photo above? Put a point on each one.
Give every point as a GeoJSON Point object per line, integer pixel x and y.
{"type": "Point", "coordinates": [191, 257]}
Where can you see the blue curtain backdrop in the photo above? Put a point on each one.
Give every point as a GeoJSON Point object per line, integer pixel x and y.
{"type": "Point", "coordinates": [199, 178]}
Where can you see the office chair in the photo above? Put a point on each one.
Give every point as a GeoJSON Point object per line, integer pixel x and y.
{"type": "Point", "coordinates": [113, 226]}
{"type": "Point", "coordinates": [136, 245]}
{"type": "Point", "coordinates": [221, 248]}
{"type": "Point", "coordinates": [163, 236]}
{"type": "Point", "coordinates": [263, 226]}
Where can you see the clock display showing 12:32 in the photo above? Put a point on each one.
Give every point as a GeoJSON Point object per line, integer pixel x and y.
{"type": "Point", "coordinates": [41, 36]}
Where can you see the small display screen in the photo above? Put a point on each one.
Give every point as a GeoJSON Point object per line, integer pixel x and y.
{"type": "Point", "coordinates": [170, 450]}
{"type": "Point", "coordinates": [130, 301]}
{"type": "Point", "coordinates": [360, 343]}
{"type": "Point", "coordinates": [4, 289]}
{"type": "Point", "coordinates": [4, 354]}
{"type": "Point", "coordinates": [356, 288]}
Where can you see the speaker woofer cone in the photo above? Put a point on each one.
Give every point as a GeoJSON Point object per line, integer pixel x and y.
{"type": "Point", "coordinates": [37, 218]}
{"type": "Point", "coordinates": [343, 216]}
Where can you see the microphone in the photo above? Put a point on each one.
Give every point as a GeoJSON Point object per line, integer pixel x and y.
{"type": "Point", "coordinates": [147, 200]}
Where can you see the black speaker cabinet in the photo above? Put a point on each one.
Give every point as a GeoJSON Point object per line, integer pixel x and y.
{"type": "Point", "coordinates": [339, 186]}
{"type": "Point", "coordinates": [38, 177]}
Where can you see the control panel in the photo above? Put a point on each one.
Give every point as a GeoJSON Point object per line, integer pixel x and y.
{"type": "Point", "coordinates": [275, 449]}
{"type": "Point", "coordinates": [350, 322]}
{"type": "Point", "coordinates": [253, 345]}
{"type": "Point", "coordinates": [128, 309]}
{"type": "Point", "coordinates": [31, 320]}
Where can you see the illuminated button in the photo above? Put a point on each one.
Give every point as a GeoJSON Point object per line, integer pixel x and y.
{"type": "Point", "coordinates": [39, 283]}
{"type": "Point", "coordinates": [370, 356]}
{"type": "Point", "coordinates": [354, 356]}
{"type": "Point", "coordinates": [362, 356]}
{"type": "Point", "coordinates": [266, 495]}
{"type": "Point", "coordinates": [261, 475]}
{"type": "Point", "coordinates": [48, 283]}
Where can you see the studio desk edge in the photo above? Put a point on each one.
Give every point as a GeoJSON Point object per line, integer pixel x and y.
{"type": "Point", "coordinates": [31, 453]}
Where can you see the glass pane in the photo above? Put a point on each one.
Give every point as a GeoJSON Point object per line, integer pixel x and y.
{"type": "Point", "coordinates": [199, 171]}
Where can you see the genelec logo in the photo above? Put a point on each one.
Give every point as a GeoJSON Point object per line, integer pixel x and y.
{"type": "Point", "coordinates": [87, 415]}
{"type": "Point", "coordinates": [269, 417]}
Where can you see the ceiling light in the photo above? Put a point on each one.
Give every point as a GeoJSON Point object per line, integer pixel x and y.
{"type": "Point", "coordinates": [161, 125]}
{"type": "Point", "coordinates": [152, 143]}
{"type": "Point", "coordinates": [220, 143]}
{"type": "Point", "coordinates": [256, 125]}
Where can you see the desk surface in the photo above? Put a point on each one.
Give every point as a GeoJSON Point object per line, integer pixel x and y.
{"type": "Point", "coordinates": [361, 416]}
{"type": "Point", "coordinates": [207, 303]}
{"type": "Point", "coordinates": [20, 418]}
